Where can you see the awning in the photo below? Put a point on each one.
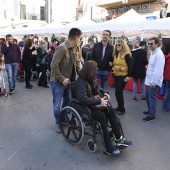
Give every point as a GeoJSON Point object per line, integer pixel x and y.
{"type": "Point", "coordinates": [119, 3]}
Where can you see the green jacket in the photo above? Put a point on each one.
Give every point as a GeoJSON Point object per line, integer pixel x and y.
{"type": "Point", "coordinates": [65, 63]}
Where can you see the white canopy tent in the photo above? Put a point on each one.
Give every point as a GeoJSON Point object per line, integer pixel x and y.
{"type": "Point", "coordinates": [129, 24]}
{"type": "Point", "coordinates": [61, 29]}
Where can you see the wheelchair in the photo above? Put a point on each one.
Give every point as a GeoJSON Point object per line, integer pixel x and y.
{"type": "Point", "coordinates": [75, 121]}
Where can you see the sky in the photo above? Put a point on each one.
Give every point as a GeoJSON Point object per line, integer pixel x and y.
{"type": "Point", "coordinates": [64, 10]}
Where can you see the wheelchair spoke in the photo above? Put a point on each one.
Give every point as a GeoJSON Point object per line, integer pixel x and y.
{"type": "Point", "coordinates": [74, 133]}
{"type": "Point", "coordinates": [67, 118]}
{"type": "Point", "coordinates": [76, 127]}
{"type": "Point", "coordinates": [68, 132]}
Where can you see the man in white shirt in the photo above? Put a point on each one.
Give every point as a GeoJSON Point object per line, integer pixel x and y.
{"type": "Point", "coordinates": [154, 77]}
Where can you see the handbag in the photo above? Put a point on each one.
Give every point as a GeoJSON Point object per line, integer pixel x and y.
{"type": "Point", "coordinates": [97, 107]}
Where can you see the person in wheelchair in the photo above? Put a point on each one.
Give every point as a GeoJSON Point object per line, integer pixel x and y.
{"type": "Point", "coordinates": [88, 93]}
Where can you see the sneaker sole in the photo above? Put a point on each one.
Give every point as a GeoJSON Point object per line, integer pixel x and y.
{"type": "Point", "coordinates": [111, 154]}
{"type": "Point", "coordinates": [124, 145]}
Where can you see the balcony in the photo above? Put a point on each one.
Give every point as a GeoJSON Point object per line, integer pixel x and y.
{"type": "Point", "coordinates": [32, 16]}
{"type": "Point", "coordinates": [118, 3]}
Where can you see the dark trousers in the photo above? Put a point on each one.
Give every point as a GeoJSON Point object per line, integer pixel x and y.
{"type": "Point", "coordinates": [28, 74]}
{"type": "Point", "coordinates": [43, 77]}
{"type": "Point", "coordinates": [119, 87]}
{"type": "Point", "coordinates": [102, 117]}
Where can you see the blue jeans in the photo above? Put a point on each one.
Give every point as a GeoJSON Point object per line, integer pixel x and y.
{"type": "Point", "coordinates": [59, 92]}
{"type": "Point", "coordinates": [135, 85]}
{"type": "Point", "coordinates": [151, 100]}
{"type": "Point", "coordinates": [12, 74]}
{"type": "Point", "coordinates": [104, 75]}
{"type": "Point", "coordinates": [166, 101]}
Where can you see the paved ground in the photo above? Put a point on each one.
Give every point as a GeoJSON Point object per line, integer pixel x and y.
{"type": "Point", "coordinates": [28, 140]}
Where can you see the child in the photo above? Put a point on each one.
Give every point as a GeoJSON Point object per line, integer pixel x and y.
{"type": "Point", "coordinates": [1, 65]}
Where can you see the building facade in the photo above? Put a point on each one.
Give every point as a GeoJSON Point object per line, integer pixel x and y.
{"type": "Point", "coordinates": [143, 7]}
{"type": "Point", "coordinates": [13, 13]}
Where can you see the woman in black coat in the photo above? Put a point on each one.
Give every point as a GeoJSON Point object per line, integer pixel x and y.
{"type": "Point", "coordinates": [28, 61]}
{"type": "Point", "coordinates": [139, 62]}
{"type": "Point", "coordinates": [42, 53]}
{"type": "Point", "coordinates": [86, 88]}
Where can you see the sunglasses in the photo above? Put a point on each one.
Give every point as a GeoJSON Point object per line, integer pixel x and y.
{"type": "Point", "coordinates": [118, 45]}
{"type": "Point", "coordinates": [150, 44]}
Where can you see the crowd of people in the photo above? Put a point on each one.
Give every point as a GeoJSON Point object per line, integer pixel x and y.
{"type": "Point", "coordinates": [92, 63]}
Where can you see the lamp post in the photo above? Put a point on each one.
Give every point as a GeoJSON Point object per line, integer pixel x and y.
{"type": "Point", "coordinates": [124, 2]}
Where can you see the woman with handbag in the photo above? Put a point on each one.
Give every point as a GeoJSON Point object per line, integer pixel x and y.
{"type": "Point", "coordinates": [89, 94]}
{"type": "Point", "coordinates": [42, 54]}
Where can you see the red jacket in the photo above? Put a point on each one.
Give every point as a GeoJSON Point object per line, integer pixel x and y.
{"type": "Point", "coordinates": [167, 67]}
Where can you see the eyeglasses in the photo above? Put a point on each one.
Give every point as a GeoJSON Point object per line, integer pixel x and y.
{"type": "Point", "coordinates": [118, 45]}
{"type": "Point", "coordinates": [150, 44]}
{"type": "Point", "coordinates": [106, 34]}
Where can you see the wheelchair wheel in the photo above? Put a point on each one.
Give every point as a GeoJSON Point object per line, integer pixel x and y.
{"type": "Point", "coordinates": [71, 125]}
{"type": "Point", "coordinates": [92, 145]}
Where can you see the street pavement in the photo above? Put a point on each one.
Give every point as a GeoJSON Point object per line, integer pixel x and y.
{"type": "Point", "coordinates": [28, 140]}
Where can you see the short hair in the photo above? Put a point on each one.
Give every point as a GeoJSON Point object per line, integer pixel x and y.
{"type": "Point", "coordinates": [88, 72]}
{"type": "Point", "coordinates": [73, 33]}
{"type": "Point", "coordinates": [90, 39]}
{"type": "Point", "coordinates": [42, 42]}
{"type": "Point", "coordinates": [8, 35]}
{"type": "Point", "coordinates": [28, 43]}
{"type": "Point", "coordinates": [156, 39]}
{"type": "Point", "coordinates": [108, 32]}
{"type": "Point", "coordinates": [25, 36]}
{"type": "Point", "coordinates": [142, 43]}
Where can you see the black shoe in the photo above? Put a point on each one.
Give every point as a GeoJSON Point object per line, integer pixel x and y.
{"type": "Point", "coordinates": [28, 86]}
{"type": "Point", "coordinates": [46, 86]}
{"type": "Point", "coordinates": [120, 112]}
{"type": "Point", "coordinates": [134, 99]}
{"type": "Point", "coordinates": [148, 119]}
{"type": "Point", "coordinates": [39, 84]}
{"type": "Point", "coordinates": [11, 91]}
{"type": "Point", "coordinates": [143, 98]}
{"type": "Point", "coordinates": [146, 112]}
{"type": "Point", "coordinates": [116, 109]}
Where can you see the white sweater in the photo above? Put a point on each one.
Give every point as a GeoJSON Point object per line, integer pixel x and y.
{"type": "Point", "coordinates": [154, 74]}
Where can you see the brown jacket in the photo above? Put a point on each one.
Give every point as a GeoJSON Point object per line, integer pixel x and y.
{"type": "Point", "coordinates": [65, 57]}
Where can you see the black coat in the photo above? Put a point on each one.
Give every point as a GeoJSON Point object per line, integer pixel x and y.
{"type": "Point", "coordinates": [83, 93]}
{"type": "Point", "coordinates": [28, 61]}
{"type": "Point", "coordinates": [139, 62]}
{"type": "Point", "coordinates": [103, 65]}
